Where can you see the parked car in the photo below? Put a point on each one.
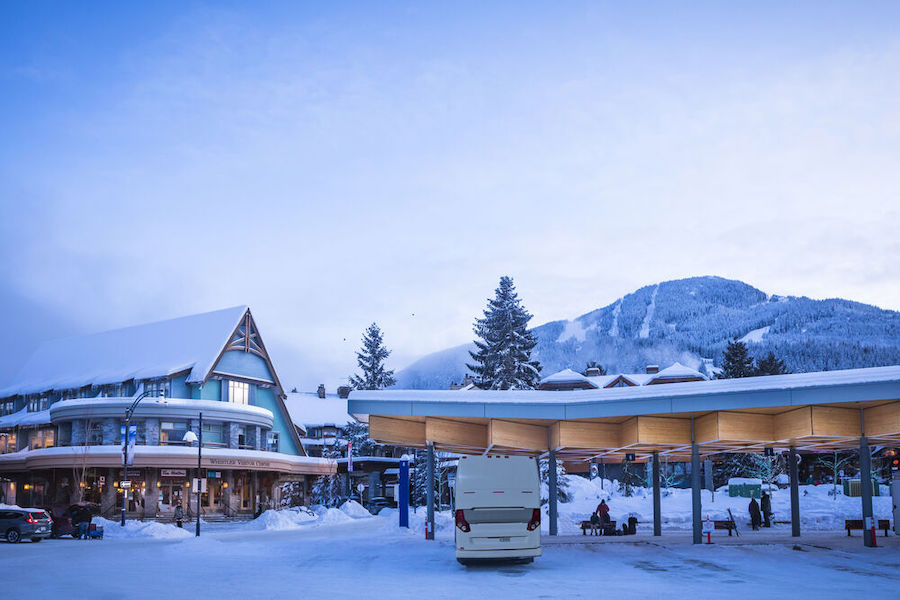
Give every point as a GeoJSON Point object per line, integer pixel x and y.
{"type": "Point", "coordinates": [377, 503]}
{"type": "Point", "coordinates": [62, 518]}
{"type": "Point", "coordinates": [18, 523]}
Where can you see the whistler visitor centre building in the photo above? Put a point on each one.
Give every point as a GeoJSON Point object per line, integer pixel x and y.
{"type": "Point", "coordinates": [62, 420]}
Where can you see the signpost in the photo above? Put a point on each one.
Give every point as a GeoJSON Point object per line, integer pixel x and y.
{"type": "Point", "coordinates": [708, 527]}
{"type": "Point", "coordinates": [359, 488]}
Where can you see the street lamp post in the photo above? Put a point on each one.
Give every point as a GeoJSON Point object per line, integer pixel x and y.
{"type": "Point", "coordinates": [190, 437]}
{"type": "Point", "coordinates": [128, 413]}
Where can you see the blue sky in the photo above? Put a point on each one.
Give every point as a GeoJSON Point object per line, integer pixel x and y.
{"type": "Point", "coordinates": [335, 165]}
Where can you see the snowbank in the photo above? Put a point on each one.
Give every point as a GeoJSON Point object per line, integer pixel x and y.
{"type": "Point", "coordinates": [282, 520]}
{"type": "Point", "coordinates": [141, 529]}
{"type": "Point", "coordinates": [354, 509]}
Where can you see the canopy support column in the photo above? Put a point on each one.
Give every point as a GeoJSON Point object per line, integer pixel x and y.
{"type": "Point", "coordinates": [429, 492]}
{"type": "Point", "coordinates": [552, 492]}
{"type": "Point", "coordinates": [795, 492]}
{"type": "Point", "coordinates": [403, 493]}
{"type": "Point", "coordinates": [657, 514]}
{"type": "Point", "coordinates": [865, 484]}
{"type": "Point", "coordinates": [695, 488]}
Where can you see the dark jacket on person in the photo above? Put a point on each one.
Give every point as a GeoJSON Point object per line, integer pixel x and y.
{"type": "Point", "coordinates": [179, 513]}
{"type": "Point", "coordinates": [754, 512]}
{"type": "Point", "coordinates": [766, 504]}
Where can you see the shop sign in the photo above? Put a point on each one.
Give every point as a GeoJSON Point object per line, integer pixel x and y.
{"type": "Point", "coordinates": [238, 462]}
{"type": "Point", "coordinates": [125, 484]}
{"type": "Point", "coordinates": [173, 472]}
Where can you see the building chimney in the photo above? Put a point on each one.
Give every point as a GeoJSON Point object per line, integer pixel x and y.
{"type": "Point", "coordinates": [321, 390]}
{"type": "Point", "coordinates": [592, 372]}
{"type": "Point", "coordinates": [344, 392]}
{"type": "Point", "coordinates": [652, 369]}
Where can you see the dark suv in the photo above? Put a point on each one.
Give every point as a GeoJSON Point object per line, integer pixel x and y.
{"type": "Point", "coordinates": [16, 523]}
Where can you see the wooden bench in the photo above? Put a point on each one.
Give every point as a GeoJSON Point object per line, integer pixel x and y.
{"type": "Point", "coordinates": [586, 526]}
{"type": "Point", "coordinates": [883, 524]}
{"type": "Point", "coordinates": [729, 525]}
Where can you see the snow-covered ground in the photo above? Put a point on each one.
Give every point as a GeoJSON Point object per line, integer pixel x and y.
{"type": "Point", "coordinates": [344, 553]}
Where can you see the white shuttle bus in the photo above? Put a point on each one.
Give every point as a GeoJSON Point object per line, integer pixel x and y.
{"type": "Point", "coordinates": [498, 508]}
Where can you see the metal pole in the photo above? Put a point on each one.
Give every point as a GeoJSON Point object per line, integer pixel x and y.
{"type": "Point", "coordinates": [199, 461]}
{"type": "Point", "coordinates": [403, 492]}
{"type": "Point", "coordinates": [553, 492]}
{"type": "Point", "coordinates": [795, 492]}
{"type": "Point", "coordinates": [657, 510]}
{"type": "Point", "coordinates": [429, 492]}
{"type": "Point", "coordinates": [695, 488]}
{"type": "Point", "coordinates": [125, 466]}
{"type": "Point", "coordinates": [865, 484]}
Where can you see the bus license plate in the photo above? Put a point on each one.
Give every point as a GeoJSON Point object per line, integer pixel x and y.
{"type": "Point", "coordinates": [504, 539]}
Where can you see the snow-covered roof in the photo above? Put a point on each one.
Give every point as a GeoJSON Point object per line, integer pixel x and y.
{"type": "Point", "coordinates": [160, 349]}
{"type": "Point", "coordinates": [23, 418]}
{"type": "Point", "coordinates": [308, 410]}
{"type": "Point", "coordinates": [677, 371]}
{"type": "Point", "coordinates": [565, 376]}
{"type": "Point", "coordinates": [797, 389]}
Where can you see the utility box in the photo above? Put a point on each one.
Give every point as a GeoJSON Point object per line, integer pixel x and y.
{"type": "Point", "coordinates": [853, 488]}
{"type": "Point", "coordinates": [744, 487]}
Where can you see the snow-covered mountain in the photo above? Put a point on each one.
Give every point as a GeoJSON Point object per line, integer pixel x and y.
{"type": "Point", "coordinates": [690, 321]}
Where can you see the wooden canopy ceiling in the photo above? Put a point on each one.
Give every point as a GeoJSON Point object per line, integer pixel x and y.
{"type": "Point", "coordinates": [578, 441]}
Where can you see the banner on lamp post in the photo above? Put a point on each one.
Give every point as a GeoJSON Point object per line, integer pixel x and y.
{"type": "Point", "coordinates": [132, 436]}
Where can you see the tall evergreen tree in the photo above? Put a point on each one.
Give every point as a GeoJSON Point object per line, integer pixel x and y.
{"type": "Point", "coordinates": [502, 360]}
{"type": "Point", "coordinates": [370, 358]}
{"type": "Point", "coordinates": [737, 362]}
{"type": "Point", "coordinates": [770, 365]}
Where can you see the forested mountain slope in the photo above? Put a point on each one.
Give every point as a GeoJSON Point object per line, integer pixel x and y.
{"type": "Point", "coordinates": [690, 320]}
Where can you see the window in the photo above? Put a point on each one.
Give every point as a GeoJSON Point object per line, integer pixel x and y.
{"type": "Point", "coordinates": [42, 438]}
{"type": "Point", "coordinates": [212, 433]}
{"type": "Point", "coordinates": [7, 442]}
{"type": "Point", "coordinates": [7, 407]}
{"type": "Point", "coordinates": [36, 403]}
{"type": "Point", "coordinates": [238, 392]}
{"type": "Point", "coordinates": [157, 387]}
{"type": "Point", "coordinates": [272, 441]}
{"type": "Point", "coordinates": [172, 432]}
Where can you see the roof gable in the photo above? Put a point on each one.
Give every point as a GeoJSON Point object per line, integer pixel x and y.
{"type": "Point", "coordinates": [193, 343]}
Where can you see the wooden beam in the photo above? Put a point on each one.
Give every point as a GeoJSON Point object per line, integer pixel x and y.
{"type": "Point", "coordinates": [663, 430]}
{"type": "Point", "coordinates": [793, 424]}
{"type": "Point", "coordinates": [457, 433]}
{"type": "Point", "coordinates": [832, 421]}
{"type": "Point", "coordinates": [628, 432]}
{"type": "Point", "coordinates": [883, 420]}
{"type": "Point", "coordinates": [746, 426]}
{"type": "Point", "coordinates": [583, 434]}
{"type": "Point", "coordinates": [396, 431]}
{"type": "Point", "coordinates": [706, 428]}
{"type": "Point", "coordinates": [517, 435]}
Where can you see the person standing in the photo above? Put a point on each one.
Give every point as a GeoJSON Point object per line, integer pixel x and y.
{"type": "Point", "coordinates": [754, 514]}
{"type": "Point", "coordinates": [766, 506]}
{"type": "Point", "coordinates": [179, 514]}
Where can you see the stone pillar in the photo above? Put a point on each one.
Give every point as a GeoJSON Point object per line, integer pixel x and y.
{"type": "Point", "coordinates": [232, 434]}
{"type": "Point", "coordinates": [79, 433]}
{"type": "Point", "coordinates": [151, 432]}
{"type": "Point", "coordinates": [257, 439]}
{"type": "Point", "coordinates": [108, 496]}
{"type": "Point", "coordinates": [795, 492]}
{"type": "Point", "coordinates": [227, 493]}
{"type": "Point", "coordinates": [151, 496]}
{"type": "Point", "coordinates": [112, 434]}
{"type": "Point", "coordinates": [254, 490]}
{"type": "Point", "coordinates": [657, 512]}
